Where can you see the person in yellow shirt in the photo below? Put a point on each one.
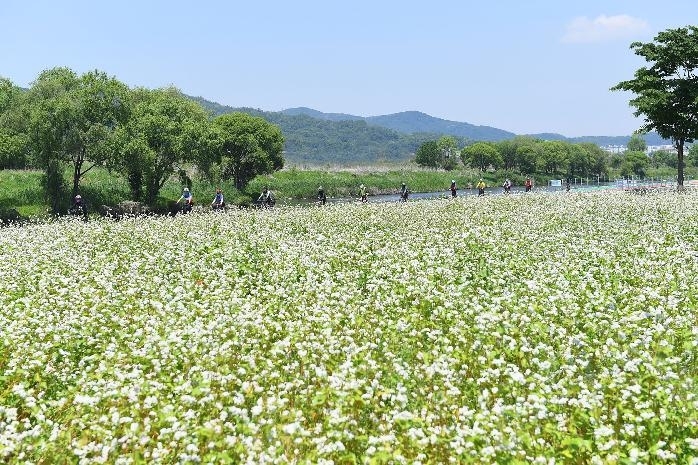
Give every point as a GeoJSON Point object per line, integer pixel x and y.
{"type": "Point", "coordinates": [481, 187]}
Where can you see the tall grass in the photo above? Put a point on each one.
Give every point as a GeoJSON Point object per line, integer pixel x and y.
{"type": "Point", "coordinates": [298, 183]}
{"type": "Point", "coordinates": [21, 189]}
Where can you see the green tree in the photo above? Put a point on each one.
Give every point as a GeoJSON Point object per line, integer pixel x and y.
{"type": "Point", "coordinates": [597, 159]}
{"type": "Point", "coordinates": [553, 155]}
{"type": "Point", "coordinates": [246, 146]}
{"type": "Point", "coordinates": [634, 163]}
{"type": "Point", "coordinates": [481, 155]}
{"type": "Point", "coordinates": [693, 155]}
{"type": "Point", "coordinates": [50, 119]}
{"type": "Point", "coordinates": [637, 143]}
{"type": "Point", "coordinates": [577, 161]}
{"type": "Point", "coordinates": [428, 154]}
{"type": "Point", "coordinates": [14, 144]}
{"type": "Point", "coordinates": [165, 129]}
{"type": "Point", "coordinates": [72, 118]}
{"type": "Point", "coordinates": [448, 149]}
{"type": "Point", "coordinates": [526, 154]}
{"type": "Point", "coordinates": [510, 155]}
{"type": "Point", "coordinates": [664, 158]}
{"type": "Point", "coordinates": [666, 92]}
{"type": "Point", "coordinates": [441, 153]}
{"type": "Point", "coordinates": [102, 105]}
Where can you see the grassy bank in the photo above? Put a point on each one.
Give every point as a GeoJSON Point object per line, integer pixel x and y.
{"type": "Point", "coordinates": [21, 189]}
{"type": "Point", "coordinates": [297, 183]}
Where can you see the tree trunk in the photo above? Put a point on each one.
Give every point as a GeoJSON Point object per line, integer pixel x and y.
{"type": "Point", "coordinates": [77, 167]}
{"type": "Point", "coordinates": [679, 157]}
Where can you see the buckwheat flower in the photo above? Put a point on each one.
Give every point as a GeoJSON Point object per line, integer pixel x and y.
{"type": "Point", "coordinates": [291, 428]}
{"type": "Point", "coordinates": [665, 455]}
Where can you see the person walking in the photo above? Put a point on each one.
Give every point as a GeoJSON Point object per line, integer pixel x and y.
{"type": "Point", "coordinates": [454, 190]}
{"type": "Point", "coordinates": [528, 184]}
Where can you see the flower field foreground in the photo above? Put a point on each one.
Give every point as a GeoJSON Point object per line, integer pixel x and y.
{"type": "Point", "coordinates": [522, 329]}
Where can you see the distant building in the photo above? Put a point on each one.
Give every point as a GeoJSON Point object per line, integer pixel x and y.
{"type": "Point", "coordinates": [656, 148]}
{"type": "Point", "coordinates": [614, 148]}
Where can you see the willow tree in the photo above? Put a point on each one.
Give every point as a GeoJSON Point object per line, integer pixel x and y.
{"type": "Point", "coordinates": [666, 91]}
{"type": "Point", "coordinates": [165, 129]}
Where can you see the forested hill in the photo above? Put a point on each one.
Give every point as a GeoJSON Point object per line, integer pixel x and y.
{"type": "Point", "coordinates": [335, 139]}
{"type": "Point", "coordinates": [316, 137]}
{"type": "Point", "coordinates": [415, 122]}
{"type": "Point", "coordinates": [410, 122]}
{"type": "Point", "coordinates": [320, 115]}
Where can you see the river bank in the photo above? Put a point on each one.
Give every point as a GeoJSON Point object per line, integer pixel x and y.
{"type": "Point", "coordinates": [21, 190]}
{"type": "Point", "coordinates": [489, 191]}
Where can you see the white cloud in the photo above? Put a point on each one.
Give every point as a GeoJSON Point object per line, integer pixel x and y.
{"type": "Point", "coordinates": [604, 28]}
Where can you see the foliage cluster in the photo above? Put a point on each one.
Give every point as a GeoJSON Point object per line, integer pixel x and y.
{"type": "Point", "coordinates": [93, 120]}
{"type": "Point", "coordinates": [666, 91]}
{"type": "Point", "coordinates": [525, 156]}
{"type": "Point", "coordinates": [521, 154]}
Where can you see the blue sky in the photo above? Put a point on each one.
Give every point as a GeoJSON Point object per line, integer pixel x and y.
{"type": "Point", "coordinates": [525, 66]}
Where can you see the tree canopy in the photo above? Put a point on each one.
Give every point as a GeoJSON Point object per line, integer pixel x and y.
{"type": "Point", "coordinates": [666, 91]}
{"type": "Point", "coordinates": [246, 146]}
{"type": "Point", "coordinates": [65, 120]}
{"type": "Point", "coordinates": [481, 155]}
{"type": "Point", "coordinates": [165, 129]}
{"type": "Point", "coordinates": [441, 153]}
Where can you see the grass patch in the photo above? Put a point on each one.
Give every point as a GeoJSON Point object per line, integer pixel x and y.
{"type": "Point", "coordinates": [299, 184]}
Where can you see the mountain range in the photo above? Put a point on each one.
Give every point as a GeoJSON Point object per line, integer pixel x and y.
{"type": "Point", "coordinates": [416, 122]}
{"type": "Point", "coordinates": [314, 136]}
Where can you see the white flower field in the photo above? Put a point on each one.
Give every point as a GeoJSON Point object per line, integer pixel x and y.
{"type": "Point", "coordinates": [542, 328]}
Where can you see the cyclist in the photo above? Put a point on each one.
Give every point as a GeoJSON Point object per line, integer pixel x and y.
{"type": "Point", "coordinates": [266, 199]}
{"type": "Point", "coordinates": [188, 199]}
{"type": "Point", "coordinates": [218, 202]}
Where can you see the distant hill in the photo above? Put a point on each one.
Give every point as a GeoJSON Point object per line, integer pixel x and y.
{"type": "Point", "coordinates": [324, 138]}
{"type": "Point", "coordinates": [320, 115]}
{"type": "Point", "coordinates": [316, 137]}
{"type": "Point", "coordinates": [411, 122]}
{"type": "Point", "coordinates": [651, 138]}
{"type": "Point", "coordinates": [415, 121]}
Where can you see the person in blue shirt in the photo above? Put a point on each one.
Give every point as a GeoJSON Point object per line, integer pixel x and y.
{"type": "Point", "coordinates": [218, 202]}
{"type": "Point", "coordinates": [188, 199]}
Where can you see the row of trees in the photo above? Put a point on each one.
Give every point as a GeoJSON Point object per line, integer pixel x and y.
{"type": "Point", "coordinates": [522, 153]}
{"type": "Point", "coordinates": [528, 155]}
{"type": "Point", "coordinates": [85, 121]}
